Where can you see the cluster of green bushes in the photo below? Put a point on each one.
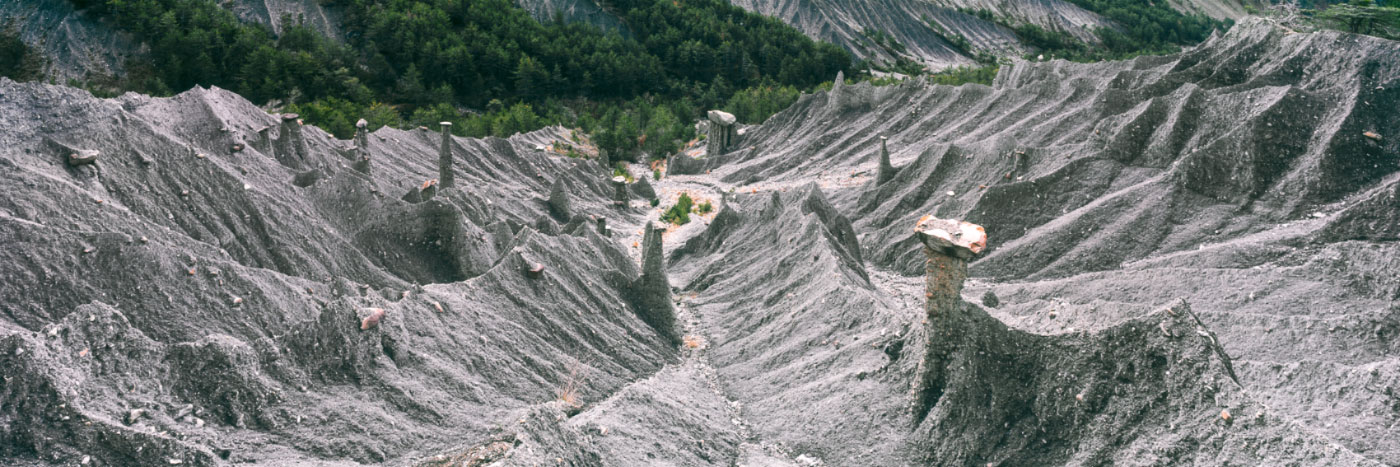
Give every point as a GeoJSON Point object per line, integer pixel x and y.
{"type": "Point", "coordinates": [1361, 17]}
{"type": "Point", "coordinates": [756, 104]}
{"type": "Point", "coordinates": [1144, 28]}
{"type": "Point", "coordinates": [962, 75]}
{"type": "Point", "coordinates": [679, 213]}
{"type": "Point", "coordinates": [409, 62]}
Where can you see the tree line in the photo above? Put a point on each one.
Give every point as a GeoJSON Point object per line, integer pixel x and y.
{"type": "Point", "coordinates": [485, 64]}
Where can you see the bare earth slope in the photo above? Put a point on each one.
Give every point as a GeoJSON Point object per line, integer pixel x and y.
{"type": "Point", "coordinates": [1191, 256]}
{"type": "Point", "coordinates": [1249, 176]}
{"type": "Point", "coordinates": [908, 21]}
{"type": "Point", "coordinates": [76, 45]}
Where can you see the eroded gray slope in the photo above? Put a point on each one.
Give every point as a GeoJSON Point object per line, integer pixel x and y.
{"type": "Point", "coordinates": [1251, 176]}
{"type": "Point", "coordinates": [76, 45]}
{"type": "Point", "coordinates": [321, 16]}
{"type": "Point", "coordinates": [185, 300]}
{"type": "Point", "coordinates": [585, 11]}
{"type": "Point", "coordinates": [908, 21]}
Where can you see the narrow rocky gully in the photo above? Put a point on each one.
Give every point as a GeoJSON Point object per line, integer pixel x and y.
{"type": "Point", "coordinates": [904, 293]}
{"type": "Point", "coordinates": [695, 328]}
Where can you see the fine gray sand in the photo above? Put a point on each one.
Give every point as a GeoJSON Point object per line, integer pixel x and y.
{"type": "Point", "coordinates": [1192, 261]}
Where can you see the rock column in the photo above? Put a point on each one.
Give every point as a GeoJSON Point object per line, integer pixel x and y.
{"type": "Point", "coordinates": [948, 245]}
{"type": "Point", "coordinates": [887, 171]}
{"type": "Point", "coordinates": [722, 132]}
{"type": "Point", "coordinates": [619, 190]}
{"type": "Point", "coordinates": [362, 146]}
{"type": "Point", "coordinates": [653, 289]}
{"type": "Point", "coordinates": [559, 204]}
{"type": "Point", "coordinates": [291, 150]}
{"type": "Point", "coordinates": [445, 157]}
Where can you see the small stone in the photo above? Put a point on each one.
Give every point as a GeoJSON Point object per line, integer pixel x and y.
{"type": "Point", "coordinates": [990, 300]}
{"type": "Point", "coordinates": [134, 415]}
{"type": "Point", "coordinates": [237, 301]}
{"type": "Point", "coordinates": [144, 239]}
{"type": "Point", "coordinates": [83, 353]}
{"type": "Point", "coordinates": [199, 155]}
{"type": "Point", "coordinates": [372, 318]}
{"type": "Point", "coordinates": [1373, 135]}
{"type": "Point", "coordinates": [82, 157]}
{"type": "Point", "coordinates": [237, 147]}
{"type": "Point", "coordinates": [437, 306]}
{"type": "Point", "coordinates": [1225, 415]}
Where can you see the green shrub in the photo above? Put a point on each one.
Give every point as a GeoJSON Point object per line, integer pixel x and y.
{"type": "Point", "coordinates": [679, 213]}
{"type": "Point", "coordinates": [621, 171]}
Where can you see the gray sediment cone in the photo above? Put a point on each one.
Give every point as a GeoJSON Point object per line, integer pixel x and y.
{"type": "Point", "coordinates": [262, 141]}
{"type": "Point", "coordinates": [559, 205]}
{"type": "Point", "coordinates": [651, 293]}
{"type": "Point", "coordinates": [887, 170]}
{"type": "Point", "coordinates": [643, 188]}
{"type": "Point", "coordinates": [445, 157]}
{"type": "Point", "coordinates": [362, 155]}
{"type": "Point", "coordinates": [290, 149]}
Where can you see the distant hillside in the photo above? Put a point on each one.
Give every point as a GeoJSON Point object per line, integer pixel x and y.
{"type": "Point", "coordinates": [73, 45]}
{"type": "Point", "coordinates": [941, 33]}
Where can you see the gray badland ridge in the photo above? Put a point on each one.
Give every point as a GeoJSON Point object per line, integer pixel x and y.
{"type": "Point", "coordinates": [908, 22]}
{"type": "Point", "coordinates": [216, 285]}
{"type": "Point", "coordinates": [74, 44]}
{"type": "Point", "coordinates": [1251, 176]}
{"type": "Point", "coordinates": [584, 11]}
{"type": "Point", "coordinates": [81, 47]}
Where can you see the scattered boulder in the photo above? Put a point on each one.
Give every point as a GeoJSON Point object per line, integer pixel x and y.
{"type": "Point", "coordinates": [370, 317]}
{"type": "Point", "coordinates": [82, 157]}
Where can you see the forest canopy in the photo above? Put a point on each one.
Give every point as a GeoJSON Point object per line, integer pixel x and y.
{"type": "Point", "coordinates": [405, 61]}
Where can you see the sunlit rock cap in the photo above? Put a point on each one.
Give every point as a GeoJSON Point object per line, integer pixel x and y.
{"type": "Point", "coordinates": [722, 117]}
{"type": "Point", "coordinates": [954, 237]}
